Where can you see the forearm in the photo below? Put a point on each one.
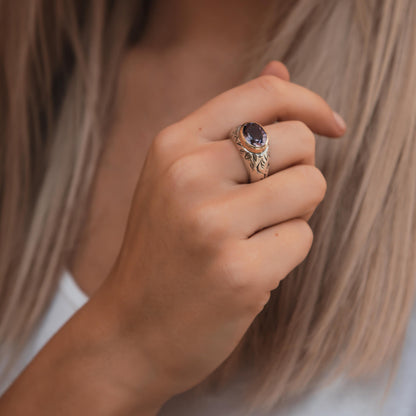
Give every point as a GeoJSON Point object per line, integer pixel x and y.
{"type": "Point", "coordinates": [86, 369]}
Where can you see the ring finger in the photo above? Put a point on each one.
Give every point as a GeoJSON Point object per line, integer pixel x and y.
{"type": "Point", "coordinates": [290, 143]}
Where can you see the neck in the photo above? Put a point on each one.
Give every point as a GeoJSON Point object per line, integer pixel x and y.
{"type": "Point", "coordinates": [231, 24]}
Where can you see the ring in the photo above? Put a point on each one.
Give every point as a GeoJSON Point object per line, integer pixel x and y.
{"type": "Point", "coordinates": [253, 145]}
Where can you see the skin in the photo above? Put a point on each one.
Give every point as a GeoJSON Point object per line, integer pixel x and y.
{"type": "Point", "coordinates": [159, 324]}
{"type": "Point", "coordinates": [187, 61]}
{"type": "Point", "coordinates": [193, 268]}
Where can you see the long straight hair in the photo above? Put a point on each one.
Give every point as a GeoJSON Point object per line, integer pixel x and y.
{"type": "Point", "coordinates": [346, 307]}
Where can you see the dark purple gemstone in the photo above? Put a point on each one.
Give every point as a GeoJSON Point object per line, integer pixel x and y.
{"type": "Point", "coordinates": [254, 134]}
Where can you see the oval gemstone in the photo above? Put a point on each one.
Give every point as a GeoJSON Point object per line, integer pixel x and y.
{"type": "Point", "coordinates": [254, 135]}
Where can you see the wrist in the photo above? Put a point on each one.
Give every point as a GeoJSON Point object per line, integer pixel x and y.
{"type": "Point", "coordinates": [88, 368]}
{"type": "Point", "coordinates": [116, 363]}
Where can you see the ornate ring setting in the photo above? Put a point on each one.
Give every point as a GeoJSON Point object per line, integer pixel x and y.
{"type": "Point", "coordinates": [253, 145]}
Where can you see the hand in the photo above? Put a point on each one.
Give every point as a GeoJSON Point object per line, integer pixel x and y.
{"type": "Point", "coordinates": [203, 248]}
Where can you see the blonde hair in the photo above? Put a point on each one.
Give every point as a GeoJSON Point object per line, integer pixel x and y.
{"type": "Point", "coordinates": [346, 307]}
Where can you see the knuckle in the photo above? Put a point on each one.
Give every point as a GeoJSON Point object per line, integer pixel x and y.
{"type": "Point", "coordinates": [317, 184]}
{"type": "Point", "coordinates": [269, 83]}
{"type": "Point", "coordinates": [320, 184]}
{"type": "Point", "coordinates": [306, 138]}
{"type": "Point", "coordinates": [172, 130]}
{"type": "Point", "coordinates": [238, 274]}
{"type": "Point", "coordinates": [183, 173]}
{"type": "Point", "coordinates": [304, 236]}
{"type": "Point", "coordinates": [167, 139]}
{"type": "Point", "coordinates": [232, 267]}
{"type": "Point", "coordinates": [161, 144]}
{"type": "Point", "coordinates": [206, 225]}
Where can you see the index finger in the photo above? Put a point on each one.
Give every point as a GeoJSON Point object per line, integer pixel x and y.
{"type": "Point", "coordinates": [264, 100]}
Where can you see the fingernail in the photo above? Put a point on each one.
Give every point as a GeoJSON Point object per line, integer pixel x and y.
{"type": "Point", "coordinates": [340, 121]}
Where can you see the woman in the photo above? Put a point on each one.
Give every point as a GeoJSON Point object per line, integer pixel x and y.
{"type": "Point", "coordinates": [121, 185]}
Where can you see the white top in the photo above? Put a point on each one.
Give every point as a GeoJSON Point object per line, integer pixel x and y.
{"type": "Point", "coordinates": [67, 300]}
{"type": "Point", "coordinates": [341, 398]}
